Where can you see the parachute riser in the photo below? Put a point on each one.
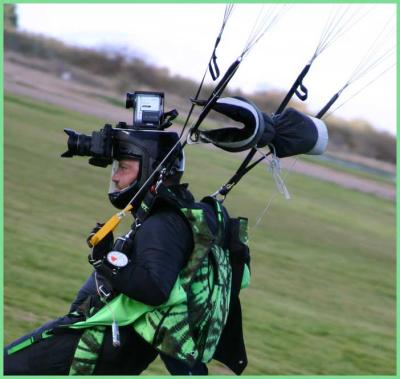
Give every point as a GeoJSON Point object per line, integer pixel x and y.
{"type": "Point", "coordinates": [214, 96]}
{"type": "Point", "coordinates": [295, 90]}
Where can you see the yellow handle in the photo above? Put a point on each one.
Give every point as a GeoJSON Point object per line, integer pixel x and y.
{"type": "Point", "coordinates": [109, 226]}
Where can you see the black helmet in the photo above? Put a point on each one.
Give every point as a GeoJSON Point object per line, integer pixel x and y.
{"type": "Point", "coordinates": [149, 147]}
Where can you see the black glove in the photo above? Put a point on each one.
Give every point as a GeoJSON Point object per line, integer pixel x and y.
{"type": "Point", "coordinates": [103, 247]}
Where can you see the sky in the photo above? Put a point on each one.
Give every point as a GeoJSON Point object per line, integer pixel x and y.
{"type": "Point", "coordinates": [181, 37]}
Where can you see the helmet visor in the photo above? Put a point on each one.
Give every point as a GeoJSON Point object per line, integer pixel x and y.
{"type": "Point", "coordinates": [124, 174]}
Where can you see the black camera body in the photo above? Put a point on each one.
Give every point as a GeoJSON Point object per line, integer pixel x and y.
{"type": "Point", "coordinates": [148, 116]}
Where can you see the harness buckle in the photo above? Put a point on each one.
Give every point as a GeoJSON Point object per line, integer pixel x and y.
{"type": "Point", "coordinates": [193, 137]}
{"type": "Point", "coordinates": [104, 292]}
{"type": "Point", "coordinates": [220, 194]}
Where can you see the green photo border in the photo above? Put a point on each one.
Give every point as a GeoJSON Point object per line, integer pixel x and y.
{"type": "Point", "coordinates": [181, 1]}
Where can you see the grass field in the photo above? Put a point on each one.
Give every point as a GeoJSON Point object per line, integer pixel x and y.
{"type": "Point", "coordinates": [322, 297]}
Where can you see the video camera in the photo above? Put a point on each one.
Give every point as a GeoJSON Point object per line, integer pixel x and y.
{"type": "Point", "coordinates": [148, 115]}
{"type": "Point", "coordinates": [148, 109]}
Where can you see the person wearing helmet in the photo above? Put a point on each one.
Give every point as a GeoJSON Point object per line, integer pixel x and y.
{"type": "Point", "coordinates": [167, 287]}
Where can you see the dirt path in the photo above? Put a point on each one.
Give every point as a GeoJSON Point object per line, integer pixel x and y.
{"type": "Point", "coordinates": [48, 85]}
{"type": "Point", "coordinates": [343, 179]}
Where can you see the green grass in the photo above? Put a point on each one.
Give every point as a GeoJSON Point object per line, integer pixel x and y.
{"type": "Point", "coordinates": [322, 296]}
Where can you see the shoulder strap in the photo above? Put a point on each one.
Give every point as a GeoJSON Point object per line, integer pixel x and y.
{"type": "Point", "coordinates": [144, 208]}
{"type": "Point", "coordinates": [152, 200]}
{"type": "Point", "coordinates": [222, 218]}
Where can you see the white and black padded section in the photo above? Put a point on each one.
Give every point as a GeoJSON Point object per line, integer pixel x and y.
{"type": "Point", "coordinates": [234, 139]}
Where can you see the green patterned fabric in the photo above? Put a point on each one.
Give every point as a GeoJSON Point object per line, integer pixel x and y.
{"type": "Point", "coordinates": [190, 331]}
{"type": "Point", "coordinates": [244, 230]}
{"type": "Point", "coordinates": [244, 238]}
{"type": "Point", "coordinates": [246, 277]}
{"type": "Point", "coordinates": [87, 351]}
{"type": "Point", "coordinates": [126, 310]}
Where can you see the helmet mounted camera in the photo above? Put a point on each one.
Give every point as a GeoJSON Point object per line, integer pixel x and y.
{"type": "Point", "coordinates": [145, 140]}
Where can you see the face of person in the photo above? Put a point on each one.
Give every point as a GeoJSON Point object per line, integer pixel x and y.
{"type": "Point", "coordinates": [127, 172]}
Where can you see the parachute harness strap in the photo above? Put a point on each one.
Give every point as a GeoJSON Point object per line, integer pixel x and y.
{"type": "Point", "coordinates": [116, 342]}
{"type": "Point", "coordinates": [140, 215]}
{"type": "Point", "coordinates": [240, 172]}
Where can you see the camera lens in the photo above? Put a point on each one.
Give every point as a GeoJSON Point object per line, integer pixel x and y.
{"type": "Point", "coordinates": [78, 144]}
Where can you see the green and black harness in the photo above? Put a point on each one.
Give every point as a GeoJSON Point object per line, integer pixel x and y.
{"type": "Point", "coordinates": [189, 324]}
